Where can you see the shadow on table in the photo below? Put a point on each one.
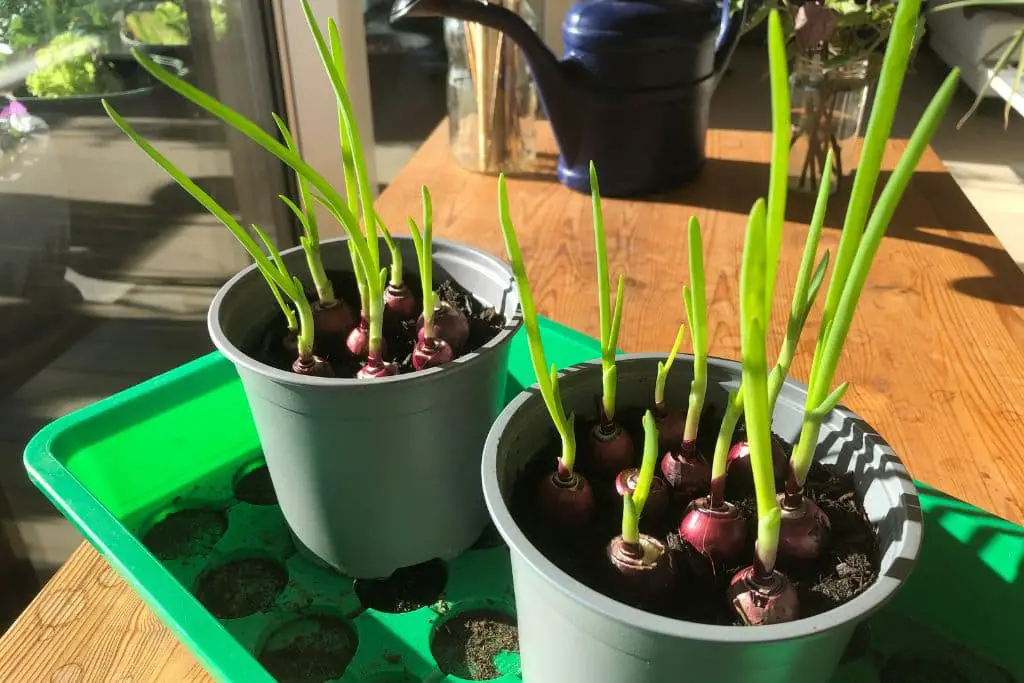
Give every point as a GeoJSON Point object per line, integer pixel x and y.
{"type": "Point", "coordinates": [933, 206]}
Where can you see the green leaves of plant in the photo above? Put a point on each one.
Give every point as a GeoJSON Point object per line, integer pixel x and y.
{"type": "Point", "coordinates": [546, 380]}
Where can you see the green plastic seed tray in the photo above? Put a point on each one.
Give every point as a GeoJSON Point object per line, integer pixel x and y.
{"type": "Point", "coordinates": [166, 480]}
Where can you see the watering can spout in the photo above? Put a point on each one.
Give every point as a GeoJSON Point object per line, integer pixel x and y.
{"type": "Point", "coordinates": [561, 93]}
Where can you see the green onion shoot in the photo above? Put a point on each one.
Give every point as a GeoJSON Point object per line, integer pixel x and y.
{"type": "Point", "coordinates": [852, 267]}
{"type": "Point", "coordinates": [609, 448]}
{"type": "Point", "coordinates": [399, 303]}
{"type": "Point", "coordinates": [447, 323]}
{"type": "Point", "coordinates": [759, 593]}
{"type": "Point", "coordinates": [685, 469]}
{"type": "Point", "coordinates": [366, 243]}
{"type": "Point", "coordinates": [332, 315]}
{"type": "Point", "coordinates": [643, 567]}
{"type": "Point", "coordinates": [670, 421]}
{"type": "Point", "coordinates": [430, 350]}
{"type": "Point", "coordinates": [272, 269]}
{"type": "Point", "coordinates": [565, 497]}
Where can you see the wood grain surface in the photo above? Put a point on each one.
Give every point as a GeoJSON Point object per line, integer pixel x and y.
{"type": "Point", "coordinates": [934, 356]}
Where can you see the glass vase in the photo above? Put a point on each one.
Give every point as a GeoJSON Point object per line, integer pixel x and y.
{"type": "Point", "coordinates": [828, 105]}
{"type": "Point", "coordinates": [492, 102]}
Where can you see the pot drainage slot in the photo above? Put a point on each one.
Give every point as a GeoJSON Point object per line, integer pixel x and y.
{"type": "Point", "coordinates": [241, 588]}
{"type": "Point", "coordinates": [186, 533]}
{"type": "Point", "coordinates": [477, 645]}
{"type": "Point", "coordinates": [309, 649]}
{"type": "Point", "coordinates": [254, 486]}
{"type": "Point", "coordinates": [407, 590]}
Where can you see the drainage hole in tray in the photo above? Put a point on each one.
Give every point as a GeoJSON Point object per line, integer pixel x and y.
{"type": "Point", "coordinates": [477, 645]}
{"type": "Point", "coordinates": [240, 588]}
{"type": "Point", "coordinates": [310, 649]}
{"type": "Point", "coordinates": [407, 590]}
{"type": "Point", "coordinates": [254, 486]}
{"type": "Point", "coordinates": [186, 533]}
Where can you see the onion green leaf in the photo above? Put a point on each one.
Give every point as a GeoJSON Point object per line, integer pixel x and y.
{"type": "Point", "coordinates": [665, 366]}
{"type": "Point", "coordinates": [609, 318]}
{"type": "Point", "coordinates": [695, 301]}
{"type": "Point", "coordinates": [847, 286]}
{"type": "Point", "coordinates": [633, 503]}
{"type": "Point", "coordinates": [547, 379]}
{"type": "Point", "coordinates": [755, 385]}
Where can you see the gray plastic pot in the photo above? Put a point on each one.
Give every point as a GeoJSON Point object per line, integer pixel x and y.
{"type": "Point", "coordinates": [375, 475]}
{"type": "Point", "coordinates": [570, 633]}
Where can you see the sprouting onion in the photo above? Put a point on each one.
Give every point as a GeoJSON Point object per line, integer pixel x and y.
{"type": "Point", "coordinates": [304, 212]}
{"type": "Point", "coordinates": [565, 496]}
{"type": "Point", "coordinates": [548, 382]}
{"type": "Point", "coordinates": [633, 503]}
{"type": "Point", "coordinates": [609, 317]}
{"type": "Point", "coordinates": [643, 567]}
{"type": "Point", "coordinates": [272, 268]}
{"type": "Point", "coordinates": [273, 271]}
{"type": "Point", "coordinates": [695, 300]}
{"type": "Point", "coordinates": [608, 449]}
{"type": "Point", "coordinates": [755, 388]}
{"type": "Point", "coordinates": [661, 378]}
{"type": "Point", "coordinates": [729, 456]}
{"type": "Point", "coordinates": [430, 350]}
{"type": "Point", "coordinates": [856, 250]}
{"type": "Point", "coordinates": [399, 303]}
{"type": "Point", "coordinates": [366, 245]}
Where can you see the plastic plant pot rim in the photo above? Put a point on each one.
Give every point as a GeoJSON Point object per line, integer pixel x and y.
{"type": "Point", "coordinates": [853, 611]}
{"type": "Point", "coordinates": [240, 358]}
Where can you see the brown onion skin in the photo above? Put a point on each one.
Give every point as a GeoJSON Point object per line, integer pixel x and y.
{"type": "Point", "coordinates": [312, 367]}
{"type": "Point", "coordinates": [645, 580]}
{"type": "Point", "coordinates": [658, 498]}
{"type": "Point", "coordinates": [376, 368]}
{"type": "Point", "coordinates": [607, 450]}
{"type": "Point", "coordinates": [687, 472]}
{"type": "Point", "coordinates": [566, 499]}
{"type": "Point", "coordinates": [761, 601]}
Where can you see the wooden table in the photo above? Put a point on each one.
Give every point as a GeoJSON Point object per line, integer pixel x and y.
{"type": "Point", "coordinates": [934, 356]}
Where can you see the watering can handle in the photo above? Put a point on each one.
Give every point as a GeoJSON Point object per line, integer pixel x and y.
{"type": "Point", "coordinates": [730, 29]}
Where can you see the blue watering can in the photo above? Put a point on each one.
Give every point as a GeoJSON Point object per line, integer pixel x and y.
{"type": "Point", "coordinates": [633, 91]}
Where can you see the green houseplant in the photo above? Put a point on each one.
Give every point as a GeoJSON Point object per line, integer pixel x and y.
{"type": "Point", "coordinates": [628, 592]}
{"type": "Point", "coordinates": [372, 451]}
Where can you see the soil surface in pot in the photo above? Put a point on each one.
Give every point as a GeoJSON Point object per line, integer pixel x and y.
{"type": "Point", "coordinates": [317, 648]}
{"type": "Point", "coordinates": [407, 590]}
{"type": "Point", "coordinates": [186, 533]}
{"type": "Point", "coordinates": [241, 587]}
{"type": "Point", "coordinates": [399, 337]}
{"type": "Point", "coordinates": [469, 645]}
{"type": "Point", "coordinates": [846, 569]}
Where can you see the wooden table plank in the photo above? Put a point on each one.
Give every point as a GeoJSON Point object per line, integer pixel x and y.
{"type": "Point", "coordinates": [939, 329]}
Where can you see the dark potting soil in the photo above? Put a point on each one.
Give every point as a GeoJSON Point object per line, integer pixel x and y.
{"type": "Point", "coordinates": [408, 589]}
{"type": "Point", "coordinates": [186, 533]}
{"type": "Point", "coordinates": [311, 649]}
{"type": "Point", "coordinates": [241, 587]}
{"type": "Point", "coordinates": [399, 337]}
{"type": "Point", "coordinates": [849, 565]}
{"type": "Point", "coordinates": [256, 488]}
{"type": "Point", "coordinates": [468, 644]}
